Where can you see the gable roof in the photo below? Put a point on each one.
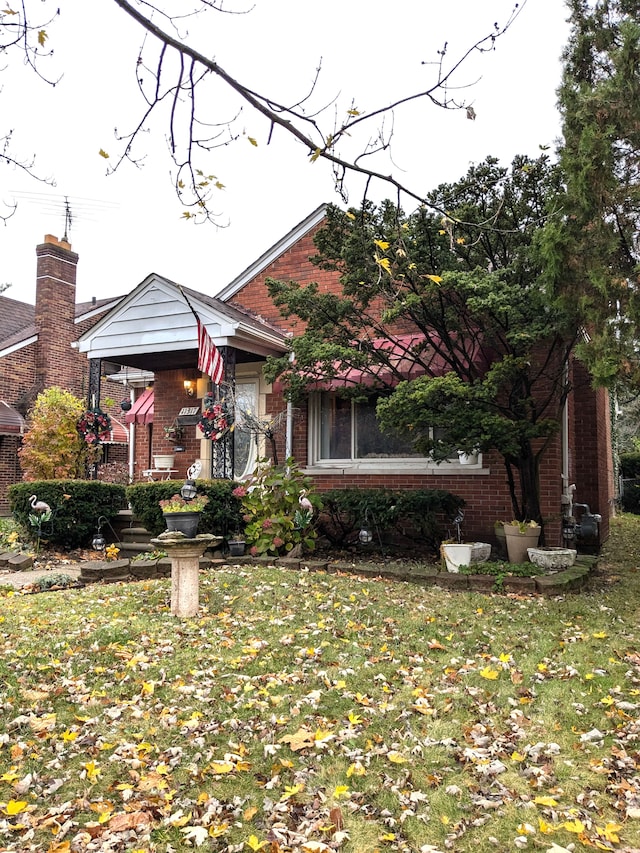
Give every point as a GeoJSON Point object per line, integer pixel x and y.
{"type": "Point", "coordinates": [283, 245]}
{"type": "Point", "coordinates": [153, 328]}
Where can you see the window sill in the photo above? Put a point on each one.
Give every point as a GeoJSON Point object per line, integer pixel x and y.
{"type": "Point", "coordinates": [392, 467]}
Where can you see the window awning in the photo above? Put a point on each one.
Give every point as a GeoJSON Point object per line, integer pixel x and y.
{"type": "Point", "coordinates": [142, 410]}
{"type": "Point", "coordinates": [400, 352]}
{"type": "Point", "coordinates": [119, 433]}
{"type": "Point", "coordinates": [11, 421]}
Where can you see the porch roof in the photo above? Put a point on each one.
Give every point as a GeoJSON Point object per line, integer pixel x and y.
{"type": "Point", "coordinates": [11, 421]}
{"type": "Point", "coordinates": [142, 410]}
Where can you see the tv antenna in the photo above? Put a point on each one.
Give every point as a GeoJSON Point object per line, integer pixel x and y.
{"type": "Point", "coordinates": [71, 209]}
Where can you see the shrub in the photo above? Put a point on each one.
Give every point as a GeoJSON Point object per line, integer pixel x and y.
{"type": "Point", "coordinates": [75, 505]}
{"type": "Point", "coordinates": [52, 447]}
{"type": "Point", "coordinates": [417, 514]}
{"type": "Point", "coordinates": [221, 514]}
{"type": "Point", "coordinates": [276, 523]}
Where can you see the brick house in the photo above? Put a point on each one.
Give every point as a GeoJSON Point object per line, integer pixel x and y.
{"type": "Point", "coordinates": [36, 352]}
{"type": "Point", "coordinates": [153, 329]}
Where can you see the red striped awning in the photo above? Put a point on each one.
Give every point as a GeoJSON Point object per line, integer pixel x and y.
{"type": "Point", "coordinates": [11, 421]}
{"type": "Point", "coordinates": [142, 410]}
{"type": "Point", "coordinates": [119, 433]}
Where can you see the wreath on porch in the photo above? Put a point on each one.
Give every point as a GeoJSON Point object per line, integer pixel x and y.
{"type": "Point", "coordinates": [94, 426]}
{"type": "Point", "coordinates": [216, 420]}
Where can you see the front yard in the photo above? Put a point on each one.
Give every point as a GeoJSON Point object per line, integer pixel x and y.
{"type": "Point", "coordinates": [313, 712]}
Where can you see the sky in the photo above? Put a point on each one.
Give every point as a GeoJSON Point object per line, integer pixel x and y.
{"type": "Point", "coordinates": [129, 224]}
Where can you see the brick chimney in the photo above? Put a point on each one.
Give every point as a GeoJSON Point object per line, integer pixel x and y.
{"type": "Point", "coordinates": [55, 309]}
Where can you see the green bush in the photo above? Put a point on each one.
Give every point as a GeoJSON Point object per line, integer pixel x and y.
{"type": "Point", "coordinates": [75, 505]}
{"type": "Point", "coordinates": [417, 514]}
{"type": "Point", "coordinates": [276, 522]}
{"type": "Point", "coordinates": [630, 465]}
{"type": "Point", "coordinates": [221, 516]}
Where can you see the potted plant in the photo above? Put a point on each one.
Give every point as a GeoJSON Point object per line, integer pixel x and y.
{"type": "Point", "coordinates": [183, 515]}
{"type": "Point", "coordinates": [521, 535]}
{"type": "Point", "coordinates": [236, 544]}
{"type": "Point", "coordinates": [173, 433]}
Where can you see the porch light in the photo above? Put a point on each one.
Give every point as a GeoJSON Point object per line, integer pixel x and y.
{"type": "Point", "coordinates": [365, 536]}
{"type": "Point", "coordinates": [99, 543]}
{"type": "Point", "coordinates": [189, 387]}
{"type": "Point", "coordinates": [188, 490]}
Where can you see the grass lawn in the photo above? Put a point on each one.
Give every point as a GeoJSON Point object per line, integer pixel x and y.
{"type": "Point", "coordinates": [313, 712]}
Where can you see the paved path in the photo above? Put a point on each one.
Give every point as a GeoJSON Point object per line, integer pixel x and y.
{"type": "Point", "coordinates": [30, 576]}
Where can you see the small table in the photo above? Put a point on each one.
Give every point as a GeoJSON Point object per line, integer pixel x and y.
{"type": "Point", "coordinates": [159, 473]}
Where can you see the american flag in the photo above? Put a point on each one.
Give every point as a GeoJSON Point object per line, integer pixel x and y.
{"type": "Point", "coordinates": [209, 359]}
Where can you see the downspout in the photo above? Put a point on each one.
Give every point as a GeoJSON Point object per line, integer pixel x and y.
{"type": "Point", "coordinates": [567, 488]}
{"type": "Point", "coordinates": [288, 444]}
{"type": "Point", "coordinates": [132, 441]}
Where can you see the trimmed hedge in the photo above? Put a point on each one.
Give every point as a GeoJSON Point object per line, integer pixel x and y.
{"type": "Point", "coordinates": [630, 465]}
{"type": "Point", "coordinates": [76, 506]}
{"type": "Point", "coordinates": [221, 516]}
{"type": "Point", "coordinates": [418, 515]}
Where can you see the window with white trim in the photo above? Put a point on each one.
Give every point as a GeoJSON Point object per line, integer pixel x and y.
{"type": "Point", "coordinates": [345, 433]}
{"type": "Point", "coordinates": [344, 430]}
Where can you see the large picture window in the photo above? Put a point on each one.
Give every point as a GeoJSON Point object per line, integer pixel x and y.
{"type": "Point", "coordinates": [346, 430]}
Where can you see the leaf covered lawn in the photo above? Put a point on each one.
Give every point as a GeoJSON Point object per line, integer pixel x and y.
{"type": "Point", "coordinates": [313, 712]}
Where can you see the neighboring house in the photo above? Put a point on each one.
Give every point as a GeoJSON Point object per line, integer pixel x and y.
{"type": "Point", "coordinates": [153, 329]}
{"type": "Point", "coordinates": [36, 352]}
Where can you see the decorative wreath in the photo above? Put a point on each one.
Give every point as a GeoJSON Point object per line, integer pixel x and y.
{"type": "Point", "coordinates": [94, 426]}
{"type": "Point", "coordinates": [216, 420]}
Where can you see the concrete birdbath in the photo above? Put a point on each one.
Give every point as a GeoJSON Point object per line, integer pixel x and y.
{"type": "Point", "coordinates": [185, 567]}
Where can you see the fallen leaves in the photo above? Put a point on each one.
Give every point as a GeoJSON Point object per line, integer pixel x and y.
{"type": "Point", "coordinates": [298, 710]}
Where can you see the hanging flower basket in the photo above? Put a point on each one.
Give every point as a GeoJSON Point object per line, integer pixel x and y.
{"type": "Point", "coordinates": [216, 420]}
{"type": "Point", "coordinates": [94, 426]}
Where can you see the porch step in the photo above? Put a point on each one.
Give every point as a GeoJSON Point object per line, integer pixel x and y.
{"type": "Point", "coordinates": [135, 534]}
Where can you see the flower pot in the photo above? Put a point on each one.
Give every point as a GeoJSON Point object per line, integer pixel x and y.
{"type": "Point", "coordinates": [464, 554]}
{"type": "Point", "coordinates": [552, 558]}
{"type": "Point", "coordinates": [519, 542]}
{"type": "Point", "coordinates": [183, 522]}
{"type": "Point", "coordinates": [236, 548]}
{"type": "Point", "coordinates": [467, 458]}
{"type": "Point", "coordinates": [164, 460]}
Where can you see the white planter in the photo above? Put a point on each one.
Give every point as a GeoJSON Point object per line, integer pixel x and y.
{"type": "Point", "coordinates": [467, 458]}
{"type": "Point", "coordinates": [465, 554]}
{"type": "Point", "coordinates": [164, 460]}
{"type": "Point", "coordinates": [552, 558]}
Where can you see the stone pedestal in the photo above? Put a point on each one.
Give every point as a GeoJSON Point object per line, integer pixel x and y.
{"type": "Point", "coordinates": [185, 563]}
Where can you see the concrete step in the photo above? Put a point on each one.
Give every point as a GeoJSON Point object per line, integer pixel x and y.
{"type": "Point", "coordinates": [135, 534]}
{"type": "Point", "coordinates": [132, 549]}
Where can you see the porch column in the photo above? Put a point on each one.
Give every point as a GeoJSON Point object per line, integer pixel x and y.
{"type": "Point", "coordinates": [223, 450]}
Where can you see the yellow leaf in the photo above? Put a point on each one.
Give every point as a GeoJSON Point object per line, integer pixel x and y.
{"type": "Point", "coordinates": [341, 791]}
{"type": "Point", "coordinates": [382, 244]}
{"type": "Point", "coordinates": [600, 635]}
{"type": "Point", "coordinates": [505, 658]}
{"type": "Point", "coordinates": [291, 791]}
{"type": "Point", "coordinates": [315, 155]}
{"type": "Point", "coordinates": [545, 801]}
{"type": "Point", "coordinates": [220, 767]}
{"type": "Point", "coordinates": [396, 757]}
{"type": "Point", "coordinates": [42, 37]}
{"type": "Point", "coordinates": [489, 673]}
{"type": "Point", "coordinates": [544, 827]}
{"type": "Point", "coordinates": [255, 844]}
{"type": "Point", "coordinates": [611, 831]}
{"type": "Point", "coordinates": [607, 700]}
{"type": "Point", "coordinates": [93, 771]}
{"type": "Point", "coordinates": [14, 807]}
{"type": "Point", "coordinates": [576, 826]}
{"type": "Point", "coordinates": [349, 112]}
{"type": "Point", "coordinates": [517, 756]}
{"type": "Point", "coordinates": [444, 819]}
{"type": "Point", "coordinates": [388, 836]}
{"type": "Point", "coordinates": [9, 776]}
{"type": "Point", "coordinates": [354, 719]}
{"type": "Point", "coordinates": [219, 829]}
{"type": "Point", "coordinates": [385, 263]}
{"type": "Point", "coordinates": [302, 739]}
{"type": "Point", "coordinates": [250, 813]}
{"type": "Point", "coordinates": [355, 769]}
{"type": "Point", "coordinates": [252, 141]}
{"type": "Point", "coordinates": [350, 216]}
{"type": "Point", "coordinates": [103, 153]}
{"type": "Point", "coordinates": [436, 278]}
